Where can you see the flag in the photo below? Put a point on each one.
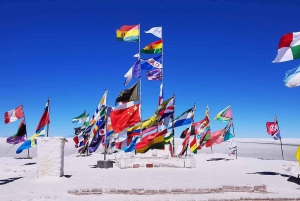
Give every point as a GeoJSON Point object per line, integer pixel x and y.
{"type": "Point", "coordinates": [79, 140]}
{"type": "Point", "coordinates": [125, 115]}
{"type": "Point", "coordinates": [298, 154]}
{"type": "Point", "coordinates": [167, 110]}
{"type": "Point", "coordinates": [100, 107]}
{"type": "Point", "coordinates": [156, 31]}
{"type": "Point", "coordinates": [19, 136]}
{"type": "Point", "coordinates": [135, 130]}
{"type": "Point", "coordinates": [232, 153]}
{"type": "Point", "coordinates": [79, 130]}
{"type": "Point", "coordinates": [292, 77]}
{"type": "Point", "coordinates": [31, 142]}
{"type": "Point", "coordinates": [185, 142]}
{"type": "Point", "coordinates": [169, 137]}
{"type": "Point", "coordinates": [128, 33]}
{"type": "Point", "coordinates": [123, 144]}
{"type": "Point", "coordinates": [101, 121]}
{"type": "Point", "coordinates": [97, 137]}
{"type": "Point", "coordinates": [273, 129]}
{"type": "Point", "coordinates": [220, 136]}
{"type": "Point", "coordinates": [136, 55]}
{"type": "Point", "coordinates": [225, 115]}
{"type": "Point", "coordinates": [193, 145]}
{"type": "Point", "coordinates": [131, 146]}
{"type": "Point", "coordinates": [161, 96]}
{"type": "Point", "coordinates": [45, 119]}
{"type": "Point", "coordinates": [155, 74]}
{"type": "Point", "coordinates": [76, 119]}
{"type": "Point", "coordinates": [153, 48]}
{"type": "Point", "coordinates": [152, 141]}
{"type": "Point", "coordinates": [152, 63]}
{"type": "Point", "coordinates": [288, 47]}
{"type": "Point", "coordinates": [13, 115]}
{"type": "Point", "coordinates": [134, 71]}
{"type": "Point", "coordinates": [130, 94]}
{"type": "Point", "coordinates": [184, 119]}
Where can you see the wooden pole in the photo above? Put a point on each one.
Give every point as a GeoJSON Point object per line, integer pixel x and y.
{"type": "Point", "coordinates": [280, 138]}
{"type": "Point", "coordinates": [28, 156]}
{"type": "Point", "coordinates": [140, 83]}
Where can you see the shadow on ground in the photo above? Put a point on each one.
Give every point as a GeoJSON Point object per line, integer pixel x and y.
{"type": "Point", "coordinates": [29, 163]}
{"type": "Point", "coordinates": [9, 180]}
{"type": "Point", "coordinates": [290, 178]}
{"type": "Point", "coordinates": [219, 159]}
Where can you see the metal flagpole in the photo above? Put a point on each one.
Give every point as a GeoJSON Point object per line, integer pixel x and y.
{"type": "Point", "coordinates": [26, 128]}
{"type": "Point", "coordinates": [234, 136]}
{"type": "Point", "coordinates": [280, 138]}
{"type": "Point", "coordinates": [105, 119]}
{"type": "Point", "coordinates": [48, 116]}
{"type": "Point", "coordinates": [141, 134]}
{"type": "Point", "coordinates": [173, 131]}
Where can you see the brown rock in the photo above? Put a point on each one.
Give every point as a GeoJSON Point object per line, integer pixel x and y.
{"type": "Point", "coordinates": [149, 165]}
{"type": "Point", "coordinates": [136, 165]}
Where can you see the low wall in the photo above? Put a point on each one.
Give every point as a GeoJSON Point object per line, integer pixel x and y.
{"type": "Point", "coordinates": [155, 158]}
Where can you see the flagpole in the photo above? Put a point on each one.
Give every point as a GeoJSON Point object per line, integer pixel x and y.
{"type": "Point", "coordinates": [280, 138]}
{"type": "Point", "coordinates": [173, 131]}
{"type": "Point", "coordinates": [234, 136]}
{"type": "Point", "coordinates": [141, 134]}
{"type": "Point", "coordinates": [48, 116]}
{"type": "Point", "coordinates": [191, 129]}
{"type": "Point", "coordinates": [25, 128]}
{"type": "Point", "coordinates": [105, 136]}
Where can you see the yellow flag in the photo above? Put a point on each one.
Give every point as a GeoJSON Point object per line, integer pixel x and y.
{"type": "Point", "coordinates": [298, 154]}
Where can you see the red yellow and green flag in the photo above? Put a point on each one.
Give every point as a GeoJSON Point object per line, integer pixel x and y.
{"type": "Point", "coordinates": [153, 48]}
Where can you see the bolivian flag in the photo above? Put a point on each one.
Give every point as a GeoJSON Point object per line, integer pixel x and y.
{"type": "Point", "coordinates": [193, 145]}
{"type": "Point", "coordinates": [128, 33]}
{"type": "Point", "coordinates": [153, 48]}
{"type": "Point", "coordinates": [153, 141]}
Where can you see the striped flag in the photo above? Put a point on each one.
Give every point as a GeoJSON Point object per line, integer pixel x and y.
{"type": "Point", "coordinates": [101, 105]}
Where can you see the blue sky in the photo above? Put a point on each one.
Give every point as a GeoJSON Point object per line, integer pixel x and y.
{"type": "Point", "coordinates": [215, 53]}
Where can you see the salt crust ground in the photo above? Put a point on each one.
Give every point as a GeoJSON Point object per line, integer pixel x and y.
{"type": "Point", "coordinates": [18, 178]}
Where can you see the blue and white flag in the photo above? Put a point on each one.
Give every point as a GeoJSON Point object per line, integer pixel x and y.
{"type": "Point", "coordinates": [152, 63]}
{"type": "Point", "coordinates": [292, 77]}
{"type": "Point", "coordinates": [183, 119]}
{"type": "Point", "coordinates": [134, 71]}
{"type": "Point", "coordinates": [155, 74]}
{"type": "Point", "coordinates": [131, 146]}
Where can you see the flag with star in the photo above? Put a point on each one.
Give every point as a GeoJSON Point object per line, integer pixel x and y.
{"type": "Point", "coordinates": [124, 116]}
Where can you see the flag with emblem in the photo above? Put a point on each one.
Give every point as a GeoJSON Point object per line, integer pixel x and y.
{"type": "Point", "coordinates": [152, 63]}
{"type": "Point", "coordinates": [153, 48]}
{"type": "Point", "coordinates": [125, 115]}
{"type": "Point", "coordinates": [128, 33]}
{"type": "Point", "coordinates": [273, 129]}
{"type": "Point", "coordinates": [225, 115]}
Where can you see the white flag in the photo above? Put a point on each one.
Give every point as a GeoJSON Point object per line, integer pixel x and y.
{"type": "Point", "coordinates": [128, 76]}
{"type": "Point", "coordinates": [156, 31]}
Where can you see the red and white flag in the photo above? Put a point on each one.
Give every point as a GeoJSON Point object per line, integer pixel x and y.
{"type": "Point", "coordinates": [13, 115]}
{"type": "Point", "coordinates": [272, 127]}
